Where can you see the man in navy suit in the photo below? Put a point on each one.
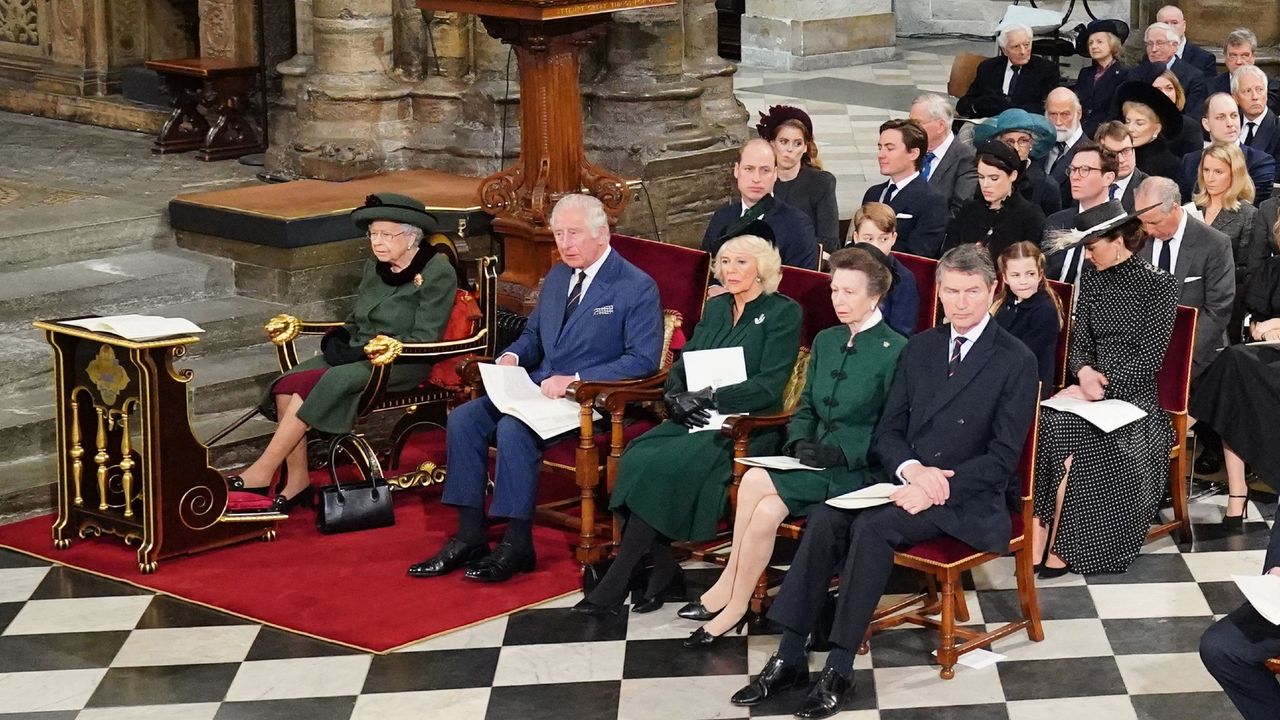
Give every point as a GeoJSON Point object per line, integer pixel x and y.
{"type": "Point", "coordinates": [1259, 128]}
{"type": "Point", "coordinates": [1062, 108]}
{"type": "Point", "coordinates": [1222, 121]}
{"type": "Point", "coordinates": [756, 171]}
{"type": "Point", "coordinates": [1186, 51]}
{"type": "Point", "coordinates": [1162, 45]}
{"type": "Point", "coordinates": [1236, 648]}
{"type": "Point", "coordinates": [598, 318]}
{"type": "Point", "coordinates": [922, 212]}
{"type": "Point", "coordinates": [952, 432]}
{"type": "Point", "coordinates": [1240, 50]}
{"type": "Point", "coordinates": [1014, 78]}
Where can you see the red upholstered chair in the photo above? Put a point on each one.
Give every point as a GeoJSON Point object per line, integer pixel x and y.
{"type": "Point", "coordinates": [924, 269]}
{"type": "Point", "coordinates": [945, 559]}
{"type": "Point", "coordinates": [1066, 296]}
{"type": "Point", "coordinates": [1274, 665]}
{"type": "Point", "coordinates": [1173, 382]}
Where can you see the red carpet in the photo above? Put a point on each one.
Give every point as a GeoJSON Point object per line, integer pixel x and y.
{"type": "Point", "coordinates": [350, 588]}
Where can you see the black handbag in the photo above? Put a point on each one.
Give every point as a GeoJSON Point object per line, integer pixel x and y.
{"type": "Point", "coordinates": [354, 506]}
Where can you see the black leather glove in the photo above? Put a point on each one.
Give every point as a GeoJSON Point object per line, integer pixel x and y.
{"type": "Point", "coordinates": [799, 446]}
{"type": "Point", "coordinates": [337, 350]}
{"type": "Point", "coordinates": [691, 409]}
{"type": "Point", "coordinates": [819, 456]}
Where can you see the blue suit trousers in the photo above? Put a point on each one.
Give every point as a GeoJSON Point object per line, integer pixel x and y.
{"type": "Point", "coordinates": [471, 429]}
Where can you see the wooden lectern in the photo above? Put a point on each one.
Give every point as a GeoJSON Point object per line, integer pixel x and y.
{"type": "Point", "coordinates": [128, 463]}
{"type": "Point", "coordinates": [547, 36]}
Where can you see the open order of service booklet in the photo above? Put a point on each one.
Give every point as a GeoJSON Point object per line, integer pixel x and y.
{"type": "Point", "coordinates": [775, 462]}
{"type": "Point", "coordinates": [869, 496]}
{"type": "Point", "coordinates": [138, 328]}
{"type": "Point", "coordinates": [512, 391]}
{"type": "Point", "coordinates": [1263, 593]}
{"type": "Point", "coordinates": [716, 368]}
{"type": "Point", "coordinates": [1106, 415]}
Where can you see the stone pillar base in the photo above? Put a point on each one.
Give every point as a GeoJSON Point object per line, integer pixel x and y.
{"type": "Point", "coordinates": [813, 34]}
{"type": "Point", "coordinates": [775, 60]}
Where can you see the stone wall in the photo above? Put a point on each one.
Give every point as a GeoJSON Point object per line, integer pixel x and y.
{"type": "Point", "coordinates": [979, 17]}
{"type": "Point", "coordinates": [815, 34]}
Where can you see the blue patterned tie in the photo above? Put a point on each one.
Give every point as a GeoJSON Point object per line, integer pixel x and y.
{"type": "Point", "coordinates": [927, 170]}
{"type": "Point", "coordinates": [574, 297]}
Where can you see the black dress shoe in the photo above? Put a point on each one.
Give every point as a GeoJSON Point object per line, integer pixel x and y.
{"type": "Point", "coordinates": [700, 638]}
{"type": "Point", "coordinates": [235, 482]}
{"type": "Point", "coordinates": [305, 498]}
{"type": "Point", "coordinates": [452, 556]}
{"type": "Point", "coordinates": [1049, 573]}
{"type": "Point", "coordinates": [673, 592]}
{"type": "Point", "coordinates": [776, 677]}
{"type": "Point", "coordinates": [696, 611]}
{"type": "Point", "coordinates": [586, 607]}
{"type": "Point", "coordinates": [501, 564]}
{"type": "Point", "coordinates": [826, 696]}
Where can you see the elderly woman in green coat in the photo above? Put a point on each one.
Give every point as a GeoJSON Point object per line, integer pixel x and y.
{"type": "Point", "coordinates": [672, 482]}
{"type": "Point", "coordinates": [850, 370]}
{"type": "Point", "coordinates": [406, 292]}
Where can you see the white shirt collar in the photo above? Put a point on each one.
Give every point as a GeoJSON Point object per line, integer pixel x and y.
{"type": "Point", "coordinates": [743, 205]}
{"type": "Point", "coordinates": [1244, 130]}
{"type": "Point", "coordinates": [591, 270]}
{"type": "Point", "coordinates": [905, 181]}
{"type": "Point", "coordinates": [972, 336]}
{"type": "Point", "coordinates": [1122, 184]}
{"type": "Point", "coordinates": [942, 148]}
{"type": "Point", "coordinates": [1182, 48]}
{"type": "Point", "coordinates": [1182, 226]}
{"type": "Point", "coordinates": [1075, 136]}
{"type": "Point", "coordinates": [871, 320]}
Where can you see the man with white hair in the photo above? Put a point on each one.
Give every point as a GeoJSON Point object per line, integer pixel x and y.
{"type": "Point", "coordinates": [1187, 52]}
{"type": "Point", "coordinates": [1162, 42]}
{"type": "Point", "coordinates": [1259, 128]}
{"type": "Point", "coordinates": [1014, 78]}
{"type": "Point", "coordinates": [1063, 110]}
{"type": "Point", "coordinates": [1222, 122]}
{"type": "Point", "coordinates": [949, 166]}
{"type": "Point", "coordinates": [1241, 50]}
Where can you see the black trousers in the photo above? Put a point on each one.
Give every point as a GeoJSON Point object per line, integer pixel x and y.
{"type": "Point", "coordinates": [860, 545]}
{"type": "Point", "coordinates": [1235, 650]}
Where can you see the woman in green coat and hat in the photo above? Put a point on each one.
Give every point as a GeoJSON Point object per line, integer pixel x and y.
{"type": "Point", "coordinates": [850, 369]}
{"type": "Point", "coordinates": [406, 292]}
{"type": "Point", "coordinates": [672, 482]}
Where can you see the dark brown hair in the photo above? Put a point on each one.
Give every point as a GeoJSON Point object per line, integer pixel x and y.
{"type": "Point", "coordinates": [1017, 251]}
{"type": "Point", "coordinates": [878, 276]}
{"type": "Point", "coordinates": [913, 137]}
{"type": "Point", "coordinates": [1107, 159]}
{"type": "Point", "coordinates": [1111, 129]}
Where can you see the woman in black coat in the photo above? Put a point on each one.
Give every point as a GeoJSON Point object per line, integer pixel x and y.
{"type": "Point", "coordinates": [802, 183]}
{"type": "Point", "coordinates": [1102, 41]}
{"type": "Point", "coordinates": [1029, 309]}
{"type": "Point", "coordinates": [1000, 216]}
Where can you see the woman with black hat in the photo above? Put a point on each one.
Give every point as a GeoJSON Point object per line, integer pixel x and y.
{"type": "Point", "coordinates": [1000, 216]}
{"type": "Point", "coordinates": [1096, 492]}
{"type": "Point", "coordinates": [1152, 120]}
{"type": "Point", "coordinates": [1102, 41]}
{"type": "Point", "coordinates": [802, 183]}
{"type": "Point", "coordinates": [1031, 137]}
{"type": "Point", "coordinates": [406, 292]}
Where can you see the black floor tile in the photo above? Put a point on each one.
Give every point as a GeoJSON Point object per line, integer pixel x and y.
{"type": "Point", "coordinates": [10, 559]}
{"type": "Point", "coordinates": [163, 685]}
{"type": "Point", "coordinates": [1071, 677]}
{"type": "Point", "coordinates": [904, 648]}
{"type": "Point", "coordinates": [1222, 596]}
{"type": "Point", "coordinates": [993, 711]}
{"type": "Point", "coordinates": [63, 582]}
{"type": "Point", "coordinates": [1158, 568]}
{"type": "Point", "coordinates": [273, 644]}
{"type": "Point", "coordinates": [863, 696]}
{"type": "Point", "coordinates": [1184, 706]}
{"type": "Point", "coordinates": [596, 700]}
{"type": "Point", "coordinates": [840, 90]}
{"type": "Point", "coordinates": [1140, 636]}
{"type": "Point", "coordinates": [562, 625]}
{"type": "Point", "coordinates": [1210, 537]}
{"type": "Point", "coordinates": [329, 708]}
{"type": "Point", "coordinates": [170, 612]}
{"type": "Point", "coordinates": [435, 670]}
{"type": "Point", "coordinates": [670, 658]}
{"type": "Point", "coordinates": [1056, 603]}
{"type": "Point", "coordinates": [63, 651]}
{"type": "Point", "coordinates": [8, 611]}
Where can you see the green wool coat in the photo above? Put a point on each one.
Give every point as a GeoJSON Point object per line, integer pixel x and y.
{"type": "Point", "coordinates": [408, 312]}
{"type": "Point", "coordinates": [843, 396]}
{"type": "Point", "coordinates": [676, 480]}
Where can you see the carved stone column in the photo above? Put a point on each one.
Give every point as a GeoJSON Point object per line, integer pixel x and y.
{"type": "Point", "coordinates": [813, 34]}
{"type": "Point", "coordinates": [450, 132]}
{"type": "Point", "coordinates": [79, 50]}
{"type": "Point", "coordinates": [701, 60]}
{"type": "Point", "coordinates": [228, 29]}
{"type": "Point", "coordinates": [293, 74]}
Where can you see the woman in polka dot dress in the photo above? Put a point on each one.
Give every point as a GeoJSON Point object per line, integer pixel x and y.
{"type": "Point", "coordinates": [1096, 492]}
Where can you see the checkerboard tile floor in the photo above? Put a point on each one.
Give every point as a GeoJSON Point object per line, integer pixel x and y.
{"type": "Point", "coordinates": [74, 645]}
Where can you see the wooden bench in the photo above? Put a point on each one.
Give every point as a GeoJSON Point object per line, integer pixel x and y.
{"type": "Point", "coordinates": [223, 87]}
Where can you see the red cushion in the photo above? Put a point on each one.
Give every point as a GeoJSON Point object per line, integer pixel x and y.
{"type": "Point", "coordinates": [812, 290]}
{"type": "Point", "coordinates": [946, 550]}
{"type": "Point", "coordinates": [238, 501]}
{"type": "Point", "coordinates": [923, 269]}
{"type": "Point", "coordinates": [1174, 377]}
{"type": "Point", "coordinates": [681, 273]}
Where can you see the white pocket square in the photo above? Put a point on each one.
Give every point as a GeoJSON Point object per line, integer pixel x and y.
{"type": "Point", "coordinates": [906, 216]}
{"type": "Point", "coordinates": [603, 310]}
{"type": "Point", "coordinates": [1193, 278]}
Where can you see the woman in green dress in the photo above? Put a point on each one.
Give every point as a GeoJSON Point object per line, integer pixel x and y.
{"type": "Point", "coordinates": [672, 480]}
{"type": "Point", "coordinates": [406, 292]}
{"type": "Point", "coordinates": [850, 369]}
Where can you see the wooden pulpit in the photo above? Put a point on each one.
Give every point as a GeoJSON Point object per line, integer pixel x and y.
{"type": "Point", "coordinates": [128, 463]}
{"type": "Point", "coordinates": [547, 36]}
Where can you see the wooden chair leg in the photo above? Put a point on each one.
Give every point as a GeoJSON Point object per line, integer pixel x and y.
{"type": "Point", "coordinates": [962, 604]}
{"type": "Point", "coordinates": [760, 596]}
{"type": "Point", "coordinates": [1024, 571]}
{"type": "Point", "coordinates": [947, 640]}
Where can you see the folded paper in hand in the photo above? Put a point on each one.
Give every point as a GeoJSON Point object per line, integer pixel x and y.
{"type": "Point", "coordinates": [1106, 415]}
{"type": "Point", "coordinates": [1263, 593]}
{"type": "Point", "coordinates": [1266, 343]}
{"type": "Point", "coordinates": [866, 497]}
{"type": "Point", "coordinates": [138, 328]}
{"type": "Point", "coordinates": [512, 391]}
{"type": "Point", "coordinates": [775, 462]}
{"type": "Point", "coordinates": [715, 368]}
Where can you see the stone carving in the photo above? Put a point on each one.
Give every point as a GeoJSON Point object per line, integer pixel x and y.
{"type": "Point", "coordinates": [19, 22]}
{"type": "Point", "coordinates": [217, 31]}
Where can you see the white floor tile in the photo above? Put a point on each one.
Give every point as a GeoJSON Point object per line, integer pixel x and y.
{"type": "Point", "coordinates": [193, 711]}
{"type": "Point", "coordinates": [1108, 707]}
{"type": "Point", "coordinates": [1062, 639]}
{"type": "Point", "coordinates": [1141, 600]}
{"type": "Point", "coordinates": [920, 686]}
{"type": "Point", "coordinates": [847, 715]}
{"type": "Point", "coordinates": [661, 624]}
{"type": "Point", "coordinates": [486, 634]}
{"type": "Point", "coordinates": [562, 663]}
{"type": "Point", "coordinates": [300, 678]}
{"type": "Point", "coordinates": [17, 584]}
{"type": "Point", "coordinates": [1165, 673]}
{"type": "Point", "coordinates": [32, 692]}
{"type": "Point", "coordinates": [186, 646]}
{"type": "Point", "coordinates": [462, 704]}
{"type": "Point", "coordinates": [79, 615]}
{"type": "Point", "coordinates": [685, 698]}
{"type": "Point", "coordinates": [1218, 566]}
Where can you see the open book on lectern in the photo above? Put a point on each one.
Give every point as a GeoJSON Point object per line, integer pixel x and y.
{"type": "Point", "coordinates": [138, 328]}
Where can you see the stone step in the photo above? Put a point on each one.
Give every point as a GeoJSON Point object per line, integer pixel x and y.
{"type": "Point", "coordinates": [92, 227]}
{"type": "Point", "coordinates": [106, 286]}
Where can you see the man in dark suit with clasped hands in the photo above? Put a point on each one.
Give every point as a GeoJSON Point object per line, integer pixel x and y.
{"type": "Point", "coordinates": [952, 432]}
{"type": "Point", "coordinates": [598, 318]}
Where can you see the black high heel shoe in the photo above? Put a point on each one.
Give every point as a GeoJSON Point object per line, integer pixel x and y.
{"type": "Point", "coordinates": [700, 638]}
{"type": "Point", "coordinates": [282, 504]}
{"type": "Point", "coordinates": [697, 611]}
{"type": "Point", "coordinates": [1235, 523]}
{"type": "Point", "coordinates": [1049, 573]}
{"type": "Point", "coordinates": [673, 592]}
{"type": "Point", "coordinates": [236, 483]}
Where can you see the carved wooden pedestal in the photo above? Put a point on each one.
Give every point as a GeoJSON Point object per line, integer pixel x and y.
{"type": "Point", "coordinates": [223, 86]}
{"type": "Point", "coordinates": [547, 36]}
